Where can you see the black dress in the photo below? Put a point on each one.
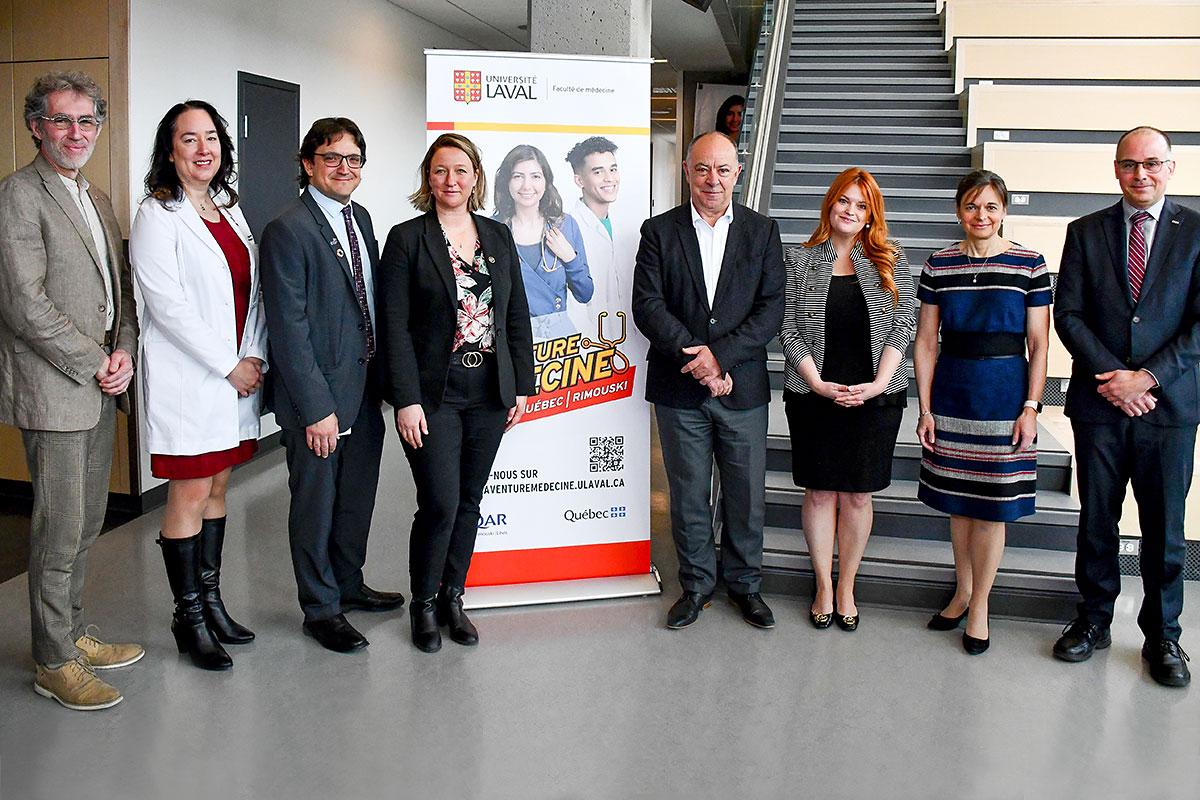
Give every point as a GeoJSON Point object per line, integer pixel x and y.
{"type": "Point", "coordinates": [844, 449]}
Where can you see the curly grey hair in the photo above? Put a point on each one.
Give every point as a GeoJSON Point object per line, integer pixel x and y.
{"type": "Point", "coordinates": [38, 100]}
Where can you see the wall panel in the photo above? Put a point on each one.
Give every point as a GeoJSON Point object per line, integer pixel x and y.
{"type": "Point", "coordinates": [39, 32]}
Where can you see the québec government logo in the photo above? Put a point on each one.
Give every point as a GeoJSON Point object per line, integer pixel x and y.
{"type": "Point", "coordinates": [586, 514]}
{"type": "Point", "coordinates": [468, 86]}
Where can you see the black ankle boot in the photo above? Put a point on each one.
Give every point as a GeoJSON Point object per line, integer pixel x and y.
{"type": "Point", "coordinates": [192, 636]}
{"type": "Point", "coordinates": [425, 633]}
{"type": "Point", "coordinates": [212, 539]}
{"type": "Point", "coordinates": [450, 613]}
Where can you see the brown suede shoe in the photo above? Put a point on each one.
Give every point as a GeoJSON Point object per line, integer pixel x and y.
{"type": "Point", "coordinates": [100, 655]}
{"type": "Point", "coordinates": [76, 687]}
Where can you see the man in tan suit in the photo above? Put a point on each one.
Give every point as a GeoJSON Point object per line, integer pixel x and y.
{"type": "Point", "coordinates": [68, 328]}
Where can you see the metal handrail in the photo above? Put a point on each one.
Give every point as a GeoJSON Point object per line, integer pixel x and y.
{"type": "Point", "coordinates": [756, 194]}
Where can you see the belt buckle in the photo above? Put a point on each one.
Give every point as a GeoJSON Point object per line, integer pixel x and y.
{"type": "Point", "coordinates": [472, 359]}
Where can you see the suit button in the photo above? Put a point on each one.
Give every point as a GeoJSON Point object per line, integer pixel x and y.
{"type": "Point", "coordinates": [712, 321]}
{"type": "Point", "coordinates": [362, 361]}
{"type": "Point", "coordinates": [1136, 320]}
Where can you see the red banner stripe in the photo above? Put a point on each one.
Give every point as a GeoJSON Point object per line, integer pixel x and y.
{"type": "Point", "coordinates": [439, 126]}
{"type": "Point", "coordinates": [560, 563]}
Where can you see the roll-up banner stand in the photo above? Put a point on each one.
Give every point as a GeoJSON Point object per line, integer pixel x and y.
{"type": "Point", "coordinates": [566, 512]}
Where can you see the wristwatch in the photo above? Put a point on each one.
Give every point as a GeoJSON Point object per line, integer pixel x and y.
{"type": "Point", "coordinates": [1034, 404]}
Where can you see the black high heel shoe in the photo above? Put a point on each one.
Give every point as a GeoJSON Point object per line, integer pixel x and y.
{"type": "Point", "coordinates": [845, 621]}
{"type": "Point", "coordinates": [939, 623]}
{"type": "Point", "coordinates": [974, 646]}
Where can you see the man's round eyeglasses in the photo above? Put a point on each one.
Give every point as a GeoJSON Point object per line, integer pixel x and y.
{"type": "Point", "coordinates": [334, 160]}
{"type": "Point", "coordinates": [1151, 165]}
{"type": "Point", "coordinates": [62, 122]}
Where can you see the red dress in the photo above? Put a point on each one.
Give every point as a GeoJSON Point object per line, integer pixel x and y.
{"type": "Point", "coordinates": [206, 465]}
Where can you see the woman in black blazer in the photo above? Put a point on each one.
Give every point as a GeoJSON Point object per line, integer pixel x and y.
{"type": "Point", "coordinates": [459, 367]}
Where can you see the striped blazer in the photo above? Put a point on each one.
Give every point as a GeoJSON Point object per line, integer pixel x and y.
{"type": "Point", "coordinates": [809, 270]}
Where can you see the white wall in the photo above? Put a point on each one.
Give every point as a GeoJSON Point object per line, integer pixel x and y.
{"type": "Point", "coordinates": [361, 59]}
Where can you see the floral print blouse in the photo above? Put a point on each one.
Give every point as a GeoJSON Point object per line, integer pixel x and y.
{"type": "Point", "coordinates": [476, 326]}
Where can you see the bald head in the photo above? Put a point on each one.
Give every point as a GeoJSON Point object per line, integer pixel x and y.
{"type": "Point", "coordinates": [712, 139]}
{"type": "Point", "coordinates": [1143, 166]}
{"type": "Point", "coordinates": [712, 170]}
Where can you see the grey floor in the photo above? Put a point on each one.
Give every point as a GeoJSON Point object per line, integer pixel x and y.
{"type": "Point", "coordinates": [585, 701]}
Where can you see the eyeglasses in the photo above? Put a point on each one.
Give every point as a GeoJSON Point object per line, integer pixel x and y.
{"type": "Point", "coordinates": [334, 160]}
{"type": "Point", "coordinates": [1151, 165]}
{"type": "Point", "coordinates": [62, 122]}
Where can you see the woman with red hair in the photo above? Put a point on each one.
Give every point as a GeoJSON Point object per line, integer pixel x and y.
{"type": "Point", "coordinates": [847, 321]}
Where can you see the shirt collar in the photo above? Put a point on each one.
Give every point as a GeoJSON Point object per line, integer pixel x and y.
{"type": "Point", "coordinates": [77, 183]}
{"type": "Point", "coordinates": [1155, 211]}
{"type": "Point", "coordinates": [696, 218]}
{"type": "Point", "coordinates": [330, 206]}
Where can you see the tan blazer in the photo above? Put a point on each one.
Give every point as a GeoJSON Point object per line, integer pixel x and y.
{"type": "Point", "coordinates": [52, 303]}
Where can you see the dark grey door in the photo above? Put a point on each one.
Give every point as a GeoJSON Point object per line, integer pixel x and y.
{"type": "Point", "coordinates": [268, 125]}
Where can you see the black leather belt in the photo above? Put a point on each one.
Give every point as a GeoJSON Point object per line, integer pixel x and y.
{"type": "Point", "coordinates": [470, 359]}
{"type": "Point", "coordinates": [982, 345]}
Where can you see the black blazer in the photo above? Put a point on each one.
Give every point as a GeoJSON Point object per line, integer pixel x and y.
{"type": "Point", "coordinates": [1103, 329]}
{"type": "Point", "coordinates": [316, 335]}
{"type": "Point", "coordinates": [419, 311]}
{"type": "Point", "coordinates": [670, 306]}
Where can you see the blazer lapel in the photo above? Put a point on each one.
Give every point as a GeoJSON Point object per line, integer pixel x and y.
{"type": "Point", "coordinates": [1114, 234]}
{"type": "Point", "coordinates": [62, 196]}
{"type": "Point", "coordinates": [495, 254]}
{"type": "Point", "coordinates": [331, 239]}
{"type": "Point", "coordinates": [691, 252]}
{"type": "Point", "coordinates": [730, 260]}
{"type": "Point", "coordinates": [435, 244]}
{"type": "Point", "coordinates": [1165, 235]}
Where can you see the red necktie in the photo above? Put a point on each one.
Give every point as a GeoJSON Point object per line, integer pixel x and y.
{"type": "Point", "coordinates": [1137, 253]}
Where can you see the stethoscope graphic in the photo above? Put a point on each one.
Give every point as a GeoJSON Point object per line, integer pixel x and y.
{"type": "Point", "coordinates": [618, 356]}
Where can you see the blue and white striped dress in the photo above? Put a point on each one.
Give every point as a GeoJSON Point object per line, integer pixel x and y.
{"type": "Point", "coordinates": [973, 470]}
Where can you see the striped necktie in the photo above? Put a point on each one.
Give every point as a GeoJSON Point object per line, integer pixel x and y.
{"type": "Point", "coordinates": [1137, 253]}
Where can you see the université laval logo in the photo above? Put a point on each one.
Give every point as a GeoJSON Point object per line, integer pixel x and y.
{"type": "Point", "coordinates": [468, 86]}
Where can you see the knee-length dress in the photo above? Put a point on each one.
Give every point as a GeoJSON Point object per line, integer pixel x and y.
{"type": "Point", "coordinates": [980, 382]}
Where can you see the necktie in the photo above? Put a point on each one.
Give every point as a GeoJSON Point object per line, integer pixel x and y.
{"type": "Point", "coordinates": [360, 285]}
{"type": "Point", "coordinates": [1137, 253]}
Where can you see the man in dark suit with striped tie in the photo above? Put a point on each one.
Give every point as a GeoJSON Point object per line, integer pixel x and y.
{"type": "Point", "coordinates": [1128, 310]}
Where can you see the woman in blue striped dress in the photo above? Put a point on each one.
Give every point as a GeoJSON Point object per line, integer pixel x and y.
{"type": "Point", "coordinates": [980, 396]}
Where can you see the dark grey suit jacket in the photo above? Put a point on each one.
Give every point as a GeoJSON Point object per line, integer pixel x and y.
{"type": "Point", "coordinates": [670, 306]}
{"type": "Point", "coordinates": [317, 338]}
{"type": "Point", "coordinates": [1104, 330]}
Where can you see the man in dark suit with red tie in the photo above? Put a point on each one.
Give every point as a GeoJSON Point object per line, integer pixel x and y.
{"type": "Point", "coordinates": [1128, 310]}
{"type": "Point", "coordinates": [319, 264]}
{"type": "Point", "coordinates": [708, 294]}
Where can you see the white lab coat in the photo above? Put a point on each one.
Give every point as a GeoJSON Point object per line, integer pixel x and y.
{"type": "Point", "coordinates": [188, 332]}
{"type": "Point", "coordinates": [611, 277]}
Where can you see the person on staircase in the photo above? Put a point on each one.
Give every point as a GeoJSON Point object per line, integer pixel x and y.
{"type": "Point", "coordinates": [980, 396]}
{"type": "Point", "coordinates": [204, 350]}
{"type": "Point", "coordinates": [848, 318]}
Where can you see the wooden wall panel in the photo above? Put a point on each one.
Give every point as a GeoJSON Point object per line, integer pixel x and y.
{"type": "Point", "coordinates": [8, 122]}
{"type": "Point", "coordinates": [39, 33]}
{"type": "Point", "coordinates": [6, 30]}
{"type": "Point", "coordinates": [98, 169]}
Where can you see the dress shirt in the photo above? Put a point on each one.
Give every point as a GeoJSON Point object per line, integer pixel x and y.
{"type": "Point", "coordinates": [712, 247]}
{"type": "Point", "coordinates": [1148, 227]}
{"type": "Point", "coordinates": [333, 212]}
{"type": "Point", "coordinates": [87, 209]}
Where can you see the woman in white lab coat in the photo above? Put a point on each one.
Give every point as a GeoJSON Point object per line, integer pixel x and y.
{"type": "Point", "coordinates": [203, 357]}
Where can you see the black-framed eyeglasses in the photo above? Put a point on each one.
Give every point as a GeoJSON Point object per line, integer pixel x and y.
{"type": "Point", "coordinates": [63, 122]}
{"type": "Point", "coordinates": [334, 160]}
{"type": "Point", "coordinates": [1151, 165]}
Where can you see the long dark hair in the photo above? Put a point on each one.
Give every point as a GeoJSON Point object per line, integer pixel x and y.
{"type": "Point", "coordinates": [550, 207]}
{"type": "Point", "coordinates": [730, 102]}
{"type": "Point", "coordinates": [162, 181]}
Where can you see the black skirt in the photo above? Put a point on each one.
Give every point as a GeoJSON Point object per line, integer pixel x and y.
{"type": "Point", "coordinates": [843, 449]}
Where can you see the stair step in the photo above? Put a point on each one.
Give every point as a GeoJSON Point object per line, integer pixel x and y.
{"type": "Point", "coordinates": [878, 169]}
{"type": "Point", "coordinates": [804, 17]}
{"type": "Point", "coordinates": [900, 43]}
{"type": "Point", "coordinates": [890, 84]}
{"type": "Point", "coordinates": [870, 113]}
{"type": "Point", "coordinates": [842, 8]}
{"type": "Point", "coordinates": [923, 56]}
{"type": "Point", "coordinates": [879, 130]}
{"type": "Point", "coordinates": [811, 68]}
{"type": "Point", "coordinates": [849, 94]}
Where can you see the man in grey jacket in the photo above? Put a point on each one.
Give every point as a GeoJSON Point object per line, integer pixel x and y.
{"type": "Point", "coordinates": [68, 332]}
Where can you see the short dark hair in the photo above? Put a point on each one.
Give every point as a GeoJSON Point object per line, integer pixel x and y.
{"type": "Point", "coordinates": [162, 180]}
{"type": "Point", "coordinates": [588, 147]}
{"type": "Point", "coordinates": [550, 207]}
{"type": "Point", "coordinates": [37, 102]}
{"type": "Point", "coordinates": [730, 102]}
{"type": "Point", "coordinates": [324, 131]}
{"type": "Point", "coordinates": [1145, 129]}
{"type": "Point", "coordinates": [975, 182]}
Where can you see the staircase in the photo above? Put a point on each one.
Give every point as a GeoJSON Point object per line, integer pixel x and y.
{"type": "Point", "coordinates": [869, 84]}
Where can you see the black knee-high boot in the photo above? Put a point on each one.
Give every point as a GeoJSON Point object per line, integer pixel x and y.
{"type": "Point", "coordinates": [182, 559]}
{"type": "Point", "coordinates": [212, 539]}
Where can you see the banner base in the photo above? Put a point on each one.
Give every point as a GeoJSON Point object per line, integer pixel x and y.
{"type": "Point", "coordinates": [530, 594]}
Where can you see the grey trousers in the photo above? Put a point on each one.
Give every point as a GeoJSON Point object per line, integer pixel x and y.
{"type": "Point", "coordinates": [737, 439]}
{"type": "Point", "coordinates": [70, 472]}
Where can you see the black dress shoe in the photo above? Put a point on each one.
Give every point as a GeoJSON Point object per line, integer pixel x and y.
{"type": "Point", "coordinates": [335, 634]}
{"type": "Point", "coordinates": [974, 646]}
{"type": "Point", "coordinates": [450, 613]}
{"type": "Point", "coordinates": [939, 623]}
{"type": "Point", "coordinates": [367, 599]}
{"type": "Point", "coordinates": [687, 608]}
{"type": "Point", "coordinates": [845, 621]}
{"type": "Point", "coordinates": [1168, 662]}
{"type": "Point", "coordinates": [425, 633]}
{"type": "Point", "coordinates": [820, 621]}
{"type": "Point", "coordinates": [1080, 639]}
{"type": "Point", "coordinates": [753, 609]}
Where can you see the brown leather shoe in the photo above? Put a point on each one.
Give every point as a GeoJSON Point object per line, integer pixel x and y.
{"type": "Point", "coordinates": [101, 655]}
{"type": "Point", "coordinates": [75, 686]}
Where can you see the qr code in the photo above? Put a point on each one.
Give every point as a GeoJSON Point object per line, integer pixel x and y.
{"type": "Point", "coordinates": [607, 453]}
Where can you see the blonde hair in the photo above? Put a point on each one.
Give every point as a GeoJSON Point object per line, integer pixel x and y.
{"type": "Point", "coordinates": [422, 198]}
